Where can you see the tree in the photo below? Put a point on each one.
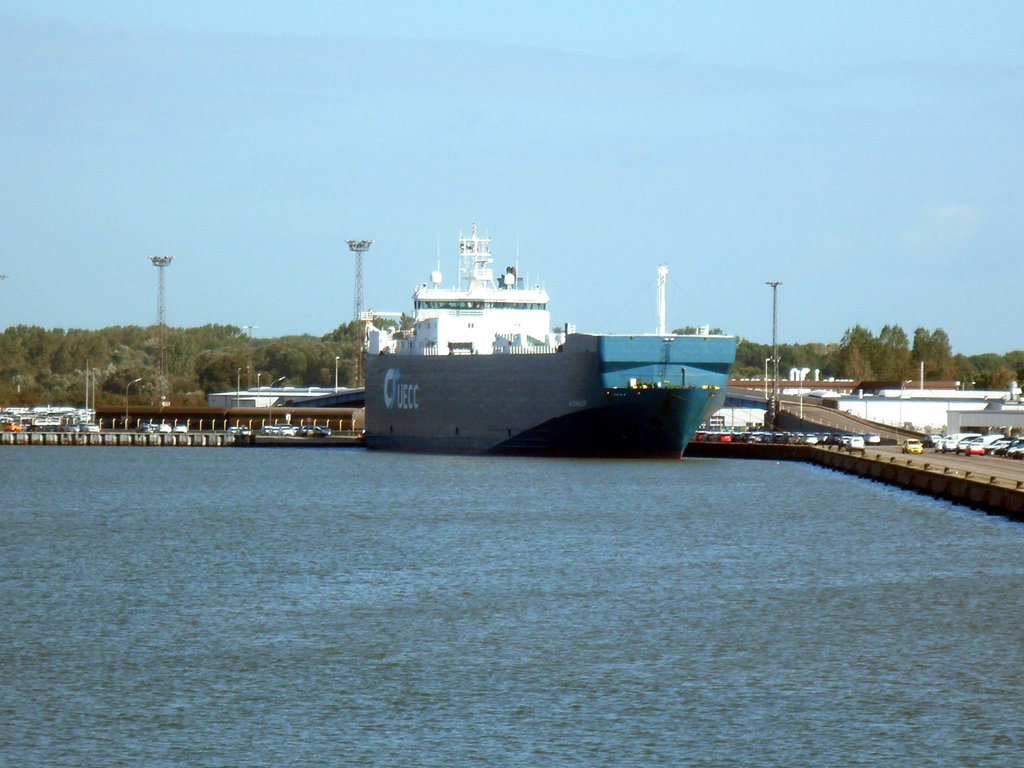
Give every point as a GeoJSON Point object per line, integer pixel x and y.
{"type": "Point", "coordinates": [856, 351]}
{"type": "Point", "coordinates": [934, 350]}
{"type": "Point", "coordinates": [892, 354]}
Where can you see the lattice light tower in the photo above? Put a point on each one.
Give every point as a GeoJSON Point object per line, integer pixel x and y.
{"type": "Point", "coordinates": [773, 404]}
{"type": "Point", "coordinates": [359, 247]}
{"type": "Point", "coordinates": [161, 263]}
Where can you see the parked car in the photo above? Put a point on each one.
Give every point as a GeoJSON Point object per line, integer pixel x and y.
{"type": "Point", "coordinates": [995, 445]}
{"type": "Point", "coordinates": [181, 429]}
{"type": "Point", "coordinates": [855, 443]}
{"type": "Point", "coordinates": [950, 442]}
{"type": "Point", "coordinates": [972, 447]}
{"type": "Point", "coordinates": [910, 445]}
{"type": "Point", "coordinates": [979, 445]}
{"type": "Point", "coordinates": [314, 430]}
{"type": "Point", "coordinates": [1003, 450]}
{"type": "Point", "coordinates": [238, 430]}
{"type": "Point", "coordinates": [873, 439]}
{"type": "Point", "coordinates": [961, 445]}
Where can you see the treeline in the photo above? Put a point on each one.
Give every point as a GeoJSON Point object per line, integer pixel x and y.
{"type": "Point", "coordinates": [890, 356]}
{"type": "Point", "coordinates": [40, 366]}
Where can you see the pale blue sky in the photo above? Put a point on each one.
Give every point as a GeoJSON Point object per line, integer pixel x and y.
{"type": "Point", "coordinates": [868, 155]}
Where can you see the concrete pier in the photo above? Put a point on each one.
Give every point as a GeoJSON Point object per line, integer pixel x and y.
{"type": "Point", "coordinates": [188, 440]}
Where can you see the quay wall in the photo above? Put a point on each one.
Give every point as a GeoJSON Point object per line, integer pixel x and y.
{"type": "Point", "coordinates": [200, 439]}
{"type": "Point", "coordinates": [189, 440]}
{"type": "Point", "coordinates": [979, 489]}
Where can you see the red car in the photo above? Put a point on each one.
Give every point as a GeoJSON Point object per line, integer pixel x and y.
{"type": "Point", "coordinates": [974, 447]}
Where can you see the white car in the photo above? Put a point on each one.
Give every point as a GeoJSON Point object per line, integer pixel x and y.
{"type": "Point", "coordinates": [949, 442]}
{"type": "Point", "coordinates": [181, 429]}
{"type": "Point", "coordinates": [960, 446]}
{"type": "Point", "coordinates": [856, 443]}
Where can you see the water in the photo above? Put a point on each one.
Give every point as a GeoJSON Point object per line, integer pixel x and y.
{"type": "Point", "coordinates": [205, 607]}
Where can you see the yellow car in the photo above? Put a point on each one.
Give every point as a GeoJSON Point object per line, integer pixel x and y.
{"type": "Point", "coordinates": [912, 446]}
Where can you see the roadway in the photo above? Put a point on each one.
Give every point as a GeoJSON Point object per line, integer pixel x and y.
{"type": "Point", "coordinates": [838, 421]}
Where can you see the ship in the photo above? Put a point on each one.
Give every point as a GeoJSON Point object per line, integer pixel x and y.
{"type": "Point", "coordinates": [480, 371]}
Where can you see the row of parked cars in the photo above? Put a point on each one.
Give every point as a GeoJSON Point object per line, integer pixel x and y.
{"type": "Point", "coordinates": [842, 439]}
{"type": "Point", "coordinates": [975, 444]}
{"type": "Point", "coordinates": [161, 428]}
{"type": "Point", "coordinates": [290, 430]}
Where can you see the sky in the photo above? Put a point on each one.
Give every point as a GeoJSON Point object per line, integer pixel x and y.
{"type": "Point", "coordinates": [866, 155]}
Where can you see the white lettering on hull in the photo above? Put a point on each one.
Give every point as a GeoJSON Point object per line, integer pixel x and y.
{"type": "Point", "coordinates": [398, 394]}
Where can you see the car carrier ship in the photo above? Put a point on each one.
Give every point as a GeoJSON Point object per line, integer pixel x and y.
{"type": "Point", "coordinates": [481, 371]}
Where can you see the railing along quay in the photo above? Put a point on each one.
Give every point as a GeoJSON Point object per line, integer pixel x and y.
{"type": "Point", "coordinates": [995, 486]}
{"type": "Point", "coordinates": [187, 440]}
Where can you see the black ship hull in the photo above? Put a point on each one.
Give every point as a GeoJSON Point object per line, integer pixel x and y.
{"type": "Point", "coordinates": [598, 396]}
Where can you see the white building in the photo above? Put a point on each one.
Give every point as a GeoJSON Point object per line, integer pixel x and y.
{"type": "Point", "coordinates": [265, 397]}
{"type": "Point", "coordinates": [922, 410]}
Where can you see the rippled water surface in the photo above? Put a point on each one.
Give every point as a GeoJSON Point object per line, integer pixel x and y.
{"type": "Point", "coordinates": [304, 607]}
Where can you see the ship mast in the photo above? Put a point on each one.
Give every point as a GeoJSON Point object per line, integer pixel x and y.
{"type": "Point", "coordinates": [475, 260]}
{"type": "Point", "coordinates": [662, 280]}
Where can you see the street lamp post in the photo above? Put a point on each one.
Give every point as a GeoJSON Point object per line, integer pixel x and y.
{"type": "Point", "coordinates": [238, 386]}
{"type": "Point", "coordinates": [336, 359]}
{"type": "Point", "coordinates": [133, 381]}
{"type": "Point", "coordinates": [270, 405]}
{"type": "Point", "coordinates": [248, 366]}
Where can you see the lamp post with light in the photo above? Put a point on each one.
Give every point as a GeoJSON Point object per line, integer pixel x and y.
{"type": "Point", "coordinates": [270, 393]}
{"type": "Point", "coordinates": [133, 381]}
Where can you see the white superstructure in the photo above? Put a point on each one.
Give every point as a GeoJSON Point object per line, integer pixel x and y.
{"type": "Point", "coordinates": [484, 315]}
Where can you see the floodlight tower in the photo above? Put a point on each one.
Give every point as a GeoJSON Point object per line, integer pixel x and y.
{"type": "Point", "coordinates": [359, 247]}
{"type": "Point", "coordinates": [773, 404]}
{"type": "Point", "coordinates": [161, 263]}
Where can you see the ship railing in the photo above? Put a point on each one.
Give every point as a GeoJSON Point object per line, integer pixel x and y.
{"type": "Point", "coordinates": [539, 350]}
